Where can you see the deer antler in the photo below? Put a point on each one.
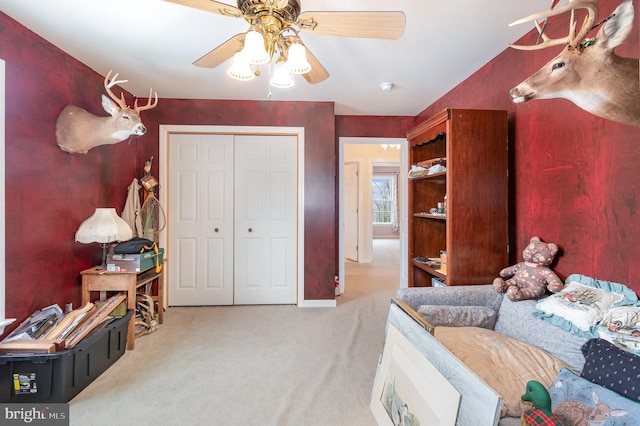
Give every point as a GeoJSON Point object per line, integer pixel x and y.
{"type": "Point", "coordinates": [109, 84]}
{"type": "Point", "coordinates": [149, 105]}
{"type": "Point", "coordinates": [572, 38]}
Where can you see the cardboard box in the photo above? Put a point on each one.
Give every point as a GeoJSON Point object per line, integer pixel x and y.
{"type": "Point", "coordinates": [443, 262]}
{"type": "Point", "coordinates": [134, 262]}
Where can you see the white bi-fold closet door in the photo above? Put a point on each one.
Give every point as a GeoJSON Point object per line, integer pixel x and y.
{"type": "Point", "coordinates": [232, 219]}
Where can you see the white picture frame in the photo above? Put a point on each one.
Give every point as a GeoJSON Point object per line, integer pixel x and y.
{"type": "Point", "coordinates": [409, 390]}
{"type": "Point", "coordinates": [478, 403]}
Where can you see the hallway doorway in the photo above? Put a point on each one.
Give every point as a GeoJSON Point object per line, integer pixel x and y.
{"type": "Point", "coordinates": [365, 225]}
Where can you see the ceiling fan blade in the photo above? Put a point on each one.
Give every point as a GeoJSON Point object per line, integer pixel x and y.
{"type": "Point", "coordinates": [221, 53]}
{"type": "Point", "coordinates": [382, 25]}
{"type": "Point", "coordinates": [210, 6]}
{"type": "Point", "coordinates": [318, 73]}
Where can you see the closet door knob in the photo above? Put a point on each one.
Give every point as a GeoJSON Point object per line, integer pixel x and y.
{"type": "Point", "coordinates": [215, 230]}
{"type": "Point", "coordinates": [250, 230]}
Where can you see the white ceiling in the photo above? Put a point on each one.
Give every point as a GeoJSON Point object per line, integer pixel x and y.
{"type": "Point", "coordinates": [154, 43]}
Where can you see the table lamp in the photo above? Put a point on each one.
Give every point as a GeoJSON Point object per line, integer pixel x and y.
{"type": "Point", "coordinates": [104, 227]}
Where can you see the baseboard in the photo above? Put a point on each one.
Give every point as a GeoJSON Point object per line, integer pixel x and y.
{"type": "Point", "coordinates": [325, 303]}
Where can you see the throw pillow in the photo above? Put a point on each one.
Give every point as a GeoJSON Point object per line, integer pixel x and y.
{"type": "Point", "coordinates": [516, 319]}
{"type": "Point", "coordinates": [630, 296]}
{"type": "Point", "coordinates": [459, 316]}
{"type": "Point", "coordinates": [621, 326]}
{"type": "Point", "coordinates": [580, 306]}
{"type": "Point", "coordinates": [504, 363]}
{"type": "Point", "coordinates": [611, 367]}
{"type": "Point", "coordinates": [579, 392]}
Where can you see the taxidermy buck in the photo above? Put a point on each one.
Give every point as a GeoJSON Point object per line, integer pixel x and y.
{"type": "Point", "coordinates": [77, 131]}
{"type": "Point", "coordinates": [587, 71]}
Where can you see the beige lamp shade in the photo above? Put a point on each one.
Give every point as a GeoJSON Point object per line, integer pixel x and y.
{"type": "Point", "coordinates": [105, 226]}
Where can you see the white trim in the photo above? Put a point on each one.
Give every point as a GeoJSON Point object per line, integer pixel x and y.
{"type": "Point", "coordinates": [403, 196]}
{"type": "Point", "coordinates": [166, 130]}
{"type": "Point", "coordinates": [326, 303]}
{"type": "Point", "coordinates": [3, 322]}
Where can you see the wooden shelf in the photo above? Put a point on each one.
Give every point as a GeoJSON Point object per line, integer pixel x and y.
{"type": "Point", "coordinates": [430, 270]}
{"type": "Point", "coordinates": [475, 231]}
{"type": "Point", "coordinates": [430, 216]}
{"type": "Point", "coordinates": [436, 177]}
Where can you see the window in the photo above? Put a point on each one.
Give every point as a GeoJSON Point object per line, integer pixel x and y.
{"type": "Point", "coordinates": [383, 199]}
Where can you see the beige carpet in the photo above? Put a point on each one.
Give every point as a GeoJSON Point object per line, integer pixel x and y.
{"type": "Point", "coordinates": [254, 365]}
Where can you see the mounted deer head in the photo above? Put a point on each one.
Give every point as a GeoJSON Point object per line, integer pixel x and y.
{"type": "Point", "coordinates": [587, 71]}
{"type": "Point", "coordinates": [77, 131]}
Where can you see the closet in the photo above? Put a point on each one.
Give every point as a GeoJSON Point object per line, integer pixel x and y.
{"type": "Point", "coordinates": [232, 220]}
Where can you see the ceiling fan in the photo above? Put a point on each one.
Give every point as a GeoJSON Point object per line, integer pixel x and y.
{"type": "Point", "coordinates": [277, 24]}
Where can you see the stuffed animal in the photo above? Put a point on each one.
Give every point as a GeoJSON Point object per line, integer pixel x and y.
{"type": "Point", "coordinates": [572, 413]}
{"type": "Point", "coordinates": [540, 413]}
{"type": "Point", "coordinates": [531, 278]}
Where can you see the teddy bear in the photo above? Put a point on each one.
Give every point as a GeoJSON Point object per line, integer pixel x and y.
{"type": "Point", "coordinates": [531, 278]}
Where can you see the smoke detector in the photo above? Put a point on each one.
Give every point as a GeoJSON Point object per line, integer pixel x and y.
{"type": "Point", "coordinates": [387, 86]}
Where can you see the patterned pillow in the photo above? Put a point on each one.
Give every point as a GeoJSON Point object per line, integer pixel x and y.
{"type": "Point", "coordinates": [621, 326]}
{"type": "Point", "coordinates": [581, 306]}
{"type": "Point", "coordinates": [611, 367]}
{"type": "Point", "coordinates": [516, 319]}
{"type": "Point", "coordinates": [571, 391]}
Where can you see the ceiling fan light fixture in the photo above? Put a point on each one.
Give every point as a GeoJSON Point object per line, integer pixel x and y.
{"type": "Point", "coordinates": [241, 68]}
{"type": "Point", "coordinates": [281, 79]}
{"type": "Point", "coordinates": [254, 49]}
{"type": "Point", "coordinates": [297, 59]}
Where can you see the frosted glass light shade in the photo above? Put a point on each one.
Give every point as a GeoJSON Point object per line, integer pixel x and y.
{"type": "Point", "coordinates": [241, 69]}
{"type": "Point", "coordinates": [281, 77]}
{"type": "Point", "coordinates": [105, 226]}
{"type": "Point", "coordinates": [297, 60]}
{"type": "Point", "coordinates": [254, 49]}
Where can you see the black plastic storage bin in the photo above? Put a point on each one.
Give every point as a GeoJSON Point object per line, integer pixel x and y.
{"type": "Point", "coordinates": [59, 376]}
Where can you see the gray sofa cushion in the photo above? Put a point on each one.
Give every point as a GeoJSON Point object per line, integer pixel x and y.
{"type": "Point", "coordinates": [464, 295]}
{"type": "Point", "coordinates": [459, 316]}
{"type": "Point", "coordinates": [515, 319]}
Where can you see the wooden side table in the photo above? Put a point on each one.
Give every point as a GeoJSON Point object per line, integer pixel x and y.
{"type": "Point", "coordinates": [128, 282]}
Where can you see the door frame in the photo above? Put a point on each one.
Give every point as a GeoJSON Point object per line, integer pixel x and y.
{"type": "Point", "coordinates": [358, 209]}
{"type": "Point", "coordinates": [166, 130]}
{"type": "Point", "coordinates": [402, 185]}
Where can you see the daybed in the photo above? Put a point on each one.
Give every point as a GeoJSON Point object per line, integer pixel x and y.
{"type": "Point", "coordinates": [508, 343]}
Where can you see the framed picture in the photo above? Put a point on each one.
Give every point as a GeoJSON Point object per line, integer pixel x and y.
{"type": "Point", "coordinates": [409, 390]}
{"type": "Point", "coordinates": [428, 327]}
{"type": "Point", "coordinates": [417, 370]}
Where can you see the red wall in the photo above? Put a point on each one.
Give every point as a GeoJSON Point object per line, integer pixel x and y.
{"type": "Point", "coordinates": [574, 176]}
{"type": "Point", "coordinates": [49, 192]}
{"type": "Point", "coordinates": [320, 163]}
{"type": "Point", "coordinates": [361, 126]}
